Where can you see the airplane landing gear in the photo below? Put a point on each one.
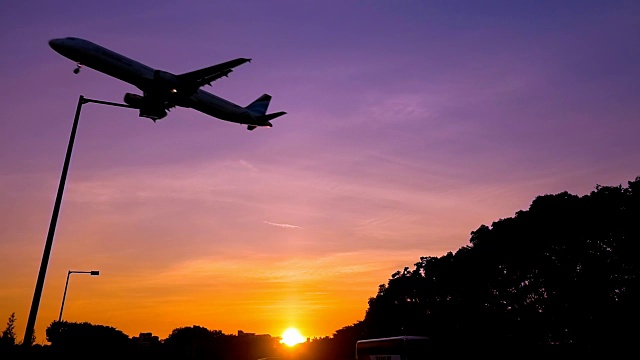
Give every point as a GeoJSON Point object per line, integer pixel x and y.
{"type": "Point", "coordinates": [77, 69]}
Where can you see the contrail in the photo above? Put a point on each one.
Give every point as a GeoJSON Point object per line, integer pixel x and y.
{"type": "Point", "coordinates": [288, 226]}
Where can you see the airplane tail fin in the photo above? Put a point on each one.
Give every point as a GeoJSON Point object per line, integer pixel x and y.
{"type": "Point", "coordinates": [258, 108]}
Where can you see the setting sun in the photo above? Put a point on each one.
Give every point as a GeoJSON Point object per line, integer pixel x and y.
{"type": "Point", "coordinates": [291, 337]}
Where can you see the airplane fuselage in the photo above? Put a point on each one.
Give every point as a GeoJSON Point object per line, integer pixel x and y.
{"type": "Point", "coordinates": [164, 88]}
{"type": "Point", "coordinates": [104, 60]}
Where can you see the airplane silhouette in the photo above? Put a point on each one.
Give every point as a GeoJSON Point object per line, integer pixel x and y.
{"type": "Point", "coordinates": [163, 90]}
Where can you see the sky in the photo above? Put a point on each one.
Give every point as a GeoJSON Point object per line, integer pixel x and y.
{"type": "Point", "coordinates": [409, 124]}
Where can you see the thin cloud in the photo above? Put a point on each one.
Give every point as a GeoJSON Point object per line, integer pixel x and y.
{"type": "Point", "coordinates": [288, 226]}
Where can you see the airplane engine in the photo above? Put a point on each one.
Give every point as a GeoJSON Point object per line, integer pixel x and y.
{"type": "Point", "coordinates": [147, 108]}
{"type": "Point", "coordinates": [134, 100]}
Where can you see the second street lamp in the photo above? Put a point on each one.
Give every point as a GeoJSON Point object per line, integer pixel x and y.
{"type": "Point", "coordinates": [37, 293]}
{"type": "Point", "coordinates": [92, 273]}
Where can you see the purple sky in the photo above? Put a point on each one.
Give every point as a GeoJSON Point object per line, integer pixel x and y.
{"type": "Point", "coordinates": [410, 124]}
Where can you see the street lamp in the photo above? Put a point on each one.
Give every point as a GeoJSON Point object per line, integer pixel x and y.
{"type": "Point", "coordinates": [92, 273]}
{"type": "Point", "coordinates": [35, 303]}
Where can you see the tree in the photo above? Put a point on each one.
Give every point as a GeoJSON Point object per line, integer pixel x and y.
{"type": "Point", "coordinates": [8, 337]}
{"type": "Point", "coordinates": [197, 342]}
{"type": "Point", "coordinates": [564, 272]}
{"type": "Point", "coordinates": [86, 338]}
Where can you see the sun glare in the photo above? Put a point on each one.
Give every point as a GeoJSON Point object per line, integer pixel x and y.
{"type": "Point", "coordinates": [291, 337]}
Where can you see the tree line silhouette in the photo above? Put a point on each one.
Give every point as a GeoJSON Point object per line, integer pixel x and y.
{"type": "Point", "coordinates": [560, 277]}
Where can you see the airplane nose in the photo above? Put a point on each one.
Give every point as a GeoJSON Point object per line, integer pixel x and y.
{"type": "Point", "coordinates": [55, 43]}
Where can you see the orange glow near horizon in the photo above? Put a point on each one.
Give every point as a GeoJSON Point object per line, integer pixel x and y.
{"type": "Point", "coordinates": [319, 294]}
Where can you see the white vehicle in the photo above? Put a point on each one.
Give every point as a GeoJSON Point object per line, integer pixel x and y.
{"type": "Point", "coordinates": [393, 348]}
{"type": "Point", "coordinates": [162, 90]}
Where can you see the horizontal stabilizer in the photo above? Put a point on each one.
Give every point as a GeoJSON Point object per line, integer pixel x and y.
{"type": "Point", "coordinates": [269, 117]}
{"type": "Point", "coordinates": [264, 120]}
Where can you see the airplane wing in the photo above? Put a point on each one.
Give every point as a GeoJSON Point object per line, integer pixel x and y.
{"type": "Point", "coordinates": [210, 74]}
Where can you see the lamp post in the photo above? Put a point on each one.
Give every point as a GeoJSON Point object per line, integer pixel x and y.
{"type": "Point", "coordinates": [31, 321]}
{"type": "Point", "coordinates": [92, 273]}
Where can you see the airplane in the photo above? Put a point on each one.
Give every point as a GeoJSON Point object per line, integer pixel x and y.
{"type": "Point", "coordinates": [162, 90]}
